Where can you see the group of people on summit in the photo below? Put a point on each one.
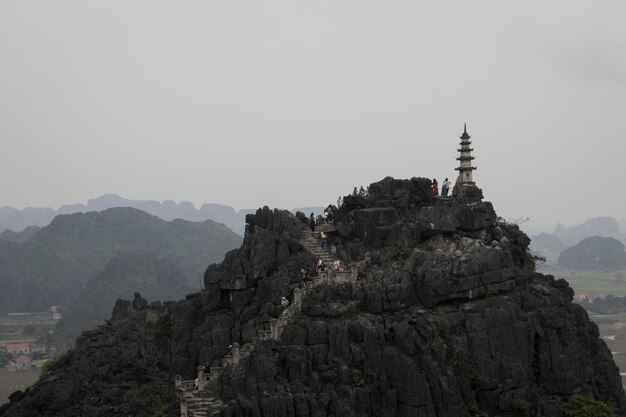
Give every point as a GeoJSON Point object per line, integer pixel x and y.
{"type": "Point", "coordinates": [358, 192]}
{"type": "Point", "coordinates": [361, 192]}
{"type": "Point", "coordinates": [445, 187]}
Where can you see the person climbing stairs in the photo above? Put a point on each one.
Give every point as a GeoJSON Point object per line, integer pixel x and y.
{"type": "Point", "coordinates": [311, 242]}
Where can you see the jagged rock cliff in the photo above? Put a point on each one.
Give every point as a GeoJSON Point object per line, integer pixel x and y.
{"type": "Point", "coordinates": [447, 318]}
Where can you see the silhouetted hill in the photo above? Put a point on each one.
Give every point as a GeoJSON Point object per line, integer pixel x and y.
{"type": "Point", "coordinates": [594, 253]}
{"type": "Point", "coordinates": [599, 226]}
{"type": "Point", "coordinates": [54, 265]}
{"type": "Point", "coordinates": [546, 243]}
{"type": "Point", "coordinates": [19, 237]}
{"type": "Point", "coordinates": [135, 271]}
{"type": "Point", "coordinates": [14, 219]}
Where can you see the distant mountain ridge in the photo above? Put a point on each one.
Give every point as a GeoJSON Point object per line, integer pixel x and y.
{"type": "Point", "coordinates": [54, 266]}
{"type": "Point", "coordinates": [597, 226]}
{"type": "Point", "coordinates": [17, 220]}
{"type": "Point", "coordinates": [563, 237]}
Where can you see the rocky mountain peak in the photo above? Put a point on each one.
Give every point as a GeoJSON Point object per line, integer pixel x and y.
{"type": "Point", "coordinates": [436, 310]}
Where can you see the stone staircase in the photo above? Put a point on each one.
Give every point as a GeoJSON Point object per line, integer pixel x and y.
{"type": "Point", "coordinates": [205, 401]}
{"type": "Point", "coordinates": [311, 242]}
{"type": "Point", "coordinates": [202, 404]}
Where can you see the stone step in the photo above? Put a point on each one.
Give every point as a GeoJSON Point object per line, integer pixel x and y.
{"type": "Point", "coordinates": [202, 409]}
{"type": "Point", "coordinates": [198, 404]}
{"type": "Point", "coordinates": [197, 400]}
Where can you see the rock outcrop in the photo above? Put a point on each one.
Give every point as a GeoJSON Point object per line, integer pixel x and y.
{"type": "Point", "coordinates": [447, 318]}
{"type": "Point", "coordinates": [117, 369]}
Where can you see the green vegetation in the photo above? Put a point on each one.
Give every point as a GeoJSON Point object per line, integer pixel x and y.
{"type": "Point", "coordinates": [475, 412]}
{"type": "Point", "coordinates": [51, 365]}
{"type": "Point", "coordinates": [154, 398]}
{"type": "Point", "coordinates": [51, 267]}
{"type": "Point", "coordinates": [164, 411]}
{"type": "Point", "coordinates": [579, 406]}
{"type": "Point", "coordinates": [160, 325]}
{"type": "Point", "coordinates": [136, 271]}
{"type": "Point", "coordinates": [594, 282]}
{"type": "Point", "coordinates": [311, 300]}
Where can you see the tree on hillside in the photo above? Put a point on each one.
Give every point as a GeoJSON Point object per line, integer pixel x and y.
{"type": "Point", "coordinates": [579, 406]}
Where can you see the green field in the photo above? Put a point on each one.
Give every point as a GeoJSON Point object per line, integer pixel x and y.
{"type": "Point", "coordinates": [14, 381]}
{"type": "Point", "coordinates": [592, 282]}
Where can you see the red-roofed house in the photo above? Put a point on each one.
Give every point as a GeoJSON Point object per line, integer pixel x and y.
{"type": "Point", "coordinates": [18, 348]}
{"type": "Point", "coordinates": [22, 362]}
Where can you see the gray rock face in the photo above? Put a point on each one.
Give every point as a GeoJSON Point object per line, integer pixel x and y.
{"type": "Point", "coordinates": [405, 212]}
{"type": "Point", "coordinates": [117, 369]}
{"type": "Point", "coordinates": [447, 318]}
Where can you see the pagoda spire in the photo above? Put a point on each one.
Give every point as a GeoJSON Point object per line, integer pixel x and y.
{"type": "Point", "coordinates": [465, 159]}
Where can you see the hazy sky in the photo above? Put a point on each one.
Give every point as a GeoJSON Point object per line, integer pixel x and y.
{"type": "Point", "coordinates": [291, 103]}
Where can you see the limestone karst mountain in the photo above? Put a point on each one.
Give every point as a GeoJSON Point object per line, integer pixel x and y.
{"type": "Point", "coordinates": [156, 277]}
{"type": "Point", "coordinates": [594, 252]}
{"type": "Point", "coordinates": [443, 315]}
{"type": "Point", "coordinates": [53, 266]}
{"type": "Point", "coordinates": [544, 243]}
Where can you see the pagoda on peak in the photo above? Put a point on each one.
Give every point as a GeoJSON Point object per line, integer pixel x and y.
{"type": "Point", "coordinates": [465, 158]}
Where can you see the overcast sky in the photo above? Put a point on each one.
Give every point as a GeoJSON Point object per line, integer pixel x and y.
{"type": "Point", "coordinates": [291, 103]}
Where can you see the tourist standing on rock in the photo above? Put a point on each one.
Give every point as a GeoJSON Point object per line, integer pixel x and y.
{"type": "Point", "coordinates": [362, 191]}
{"type": "Point", "coordinates": [435, 187]}
{"type": "Point", "coordinates": [284, 303]}
{"type": "Point", "coordinates": [339, 201]}
{"type": "Point", "coordinates": [302, 278]}
{"type": "Point", "coordinates": [336, 266]}
{"type": "Point", "coordinates": [312, 222]}
{"type": "Point", "coordinates": [445, 187]}
{"type": "Point", "coordinates": [319, 266]}
{"type": "Point", "coordinates": [329, 213]}
{"type": "Point", "coordinates": [355, 192]}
